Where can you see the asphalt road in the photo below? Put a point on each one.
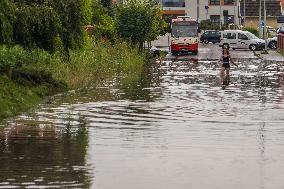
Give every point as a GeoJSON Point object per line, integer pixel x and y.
{"type": "Point", "coordinates": [213, 51]}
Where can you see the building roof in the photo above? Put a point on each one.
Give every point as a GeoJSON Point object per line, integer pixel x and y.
{"type": "Point", "coordinates": [273, 8]}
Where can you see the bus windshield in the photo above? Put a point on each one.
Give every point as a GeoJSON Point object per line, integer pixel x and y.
{"type": "Point", "coordinates": [181, 30]}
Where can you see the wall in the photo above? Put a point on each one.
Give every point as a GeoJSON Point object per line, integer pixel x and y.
{"type": "Point", "coordinates": [253, 22]}
{"type": "Point", "coordinates": [191, 10]}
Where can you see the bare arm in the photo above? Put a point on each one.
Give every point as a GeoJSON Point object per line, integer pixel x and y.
{"type": "Point", "coordinates": [220, 61]}
{"type": "Point", "coordinates": [233, 61]}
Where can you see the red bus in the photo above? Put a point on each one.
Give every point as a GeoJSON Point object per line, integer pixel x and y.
{"type": "Point", "coordinates": [184, 35]}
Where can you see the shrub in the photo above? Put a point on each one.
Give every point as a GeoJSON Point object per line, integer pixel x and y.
{"type": "Point", "coordinates": [12, 58]}
{"type": "Point", "coordinates": [251, 29]}
{"type": "Point", "coordinates": [208, 25]}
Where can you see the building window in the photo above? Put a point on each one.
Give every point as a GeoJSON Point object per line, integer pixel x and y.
{"type": "Point", "coordinates": [229, 2]}
{"type": "Point", "coordinates": [173, 3]}
{"type": "Point", "coordinates": [229, 19]}
{"type": "Point", "coordinates": [214, 2]}
{"type": "Point", "coordinates": [215, 19]}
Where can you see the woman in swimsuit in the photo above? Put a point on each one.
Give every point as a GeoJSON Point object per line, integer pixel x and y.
{"type": "Point", "coordinates": [226, 58]}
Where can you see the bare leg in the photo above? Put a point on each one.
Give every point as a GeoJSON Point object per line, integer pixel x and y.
{"type": "Point", "coordinates": [227, 72]}
{"type": "Point", "coordinates": [222, 73]}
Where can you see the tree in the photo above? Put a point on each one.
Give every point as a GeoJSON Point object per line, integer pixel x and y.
{"type": "Point", "coordinates": [104, 24]}
{"type": "Point", "coordinates": [138, 21]}
{"type": "Point", "coordinates": [6, 21]}
{"type": "Point", "coordinates": [36, 25]}
{"type": "Point", "coordinates": [158, 25]}
{"type": "Point", "coordinates": [74, 15]}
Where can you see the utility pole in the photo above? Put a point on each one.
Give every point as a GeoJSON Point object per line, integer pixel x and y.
{"type": "Point", "coordinates": [259, 21]}
{"type": "Point", "coordinates": [234, 14]}
{"type": "Point", "coordinates": [220, 12]}
{"type": "Point", "coordinates": [244, 12]}
{"type": "Point", "coordinates": [197, 11]}
{"type": "Point", "coordinates": [265, 32]}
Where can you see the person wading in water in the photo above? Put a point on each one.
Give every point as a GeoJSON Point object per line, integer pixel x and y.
{"type": "Point", "coordinates": [225, 71]}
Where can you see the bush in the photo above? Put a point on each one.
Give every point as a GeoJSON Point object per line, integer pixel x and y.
{"type": "Point", "coordinates": [251, 29]}
{"type": "Point", "coordinates": [12, 58]}
{"type": "Point", "coordinates": [208, 25]}
{"type": "Point", "coordinates": [98, 60]}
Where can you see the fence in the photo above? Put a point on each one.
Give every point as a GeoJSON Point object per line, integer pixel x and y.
{"type": "Point", "coordinates": [280, 42]}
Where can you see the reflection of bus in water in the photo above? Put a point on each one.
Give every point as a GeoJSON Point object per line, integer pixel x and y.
{"type": "Point", "coordinates": [184, 35]}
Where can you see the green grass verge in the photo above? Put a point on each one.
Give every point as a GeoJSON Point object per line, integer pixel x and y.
{"type": "Point", "coordinates": [26, 77]}
{"type": "Point", "coordinates": [15, 98]}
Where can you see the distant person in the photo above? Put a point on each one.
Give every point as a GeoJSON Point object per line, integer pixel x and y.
{"type": "Point", "coordinates": [156, 53]}
{"type": "Point", "coordinates": [226, 59]}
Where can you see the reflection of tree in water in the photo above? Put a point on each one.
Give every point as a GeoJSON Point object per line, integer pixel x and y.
{"type": "Point", "coordinates": [138, 86]}
{"type": "Point", "coordinates": [44, 156]}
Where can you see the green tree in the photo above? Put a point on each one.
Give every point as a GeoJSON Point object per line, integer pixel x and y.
{"type": "Point", "coordinates": [158, 25]}
{"type": "Point", "coordinates": [74, 15]}
{"type": "Point", "coordinates": [138, 21]}
{"type": "Point", "coordinates": [36, 26]}
{"type": "Point", "coordinates": [6, 21]}
{"type": "Point", "coordinates": [104, 24]}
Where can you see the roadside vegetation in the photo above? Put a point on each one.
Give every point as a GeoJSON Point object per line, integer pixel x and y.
{"type": "Point", "coordinates": [50, 46]}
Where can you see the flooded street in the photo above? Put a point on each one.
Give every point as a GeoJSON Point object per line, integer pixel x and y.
{"type": "Point", "coordinates": [178, 127]}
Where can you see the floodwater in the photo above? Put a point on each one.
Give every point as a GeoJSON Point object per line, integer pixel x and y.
{"type": "Point", "coordinates": [179, 127]}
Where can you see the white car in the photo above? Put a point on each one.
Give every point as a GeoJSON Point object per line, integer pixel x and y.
{"type": "Point", "coordinates": [272, 43]}
{"type": "Point", "coordinates": [238, 39]}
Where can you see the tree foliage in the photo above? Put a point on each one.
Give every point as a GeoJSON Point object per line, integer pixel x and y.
{"type": "Point", "coordinates": [36, 25]}
{"type": "Point", "coordinates": [6, 21]}
{"type": "Point", "coordinates": [138, 21]}
{"type": "Point", "coordinates": [208, 25]}
{"type": "Point", "coordinates": [104, 24]}
{"type": "Point", "coordinates": [47, 23]}
{"type": "Point", "coordinates": [74, 14]}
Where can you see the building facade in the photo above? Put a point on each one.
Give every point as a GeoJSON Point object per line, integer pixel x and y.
{"type": "Point", "coordinates": [251, 15]}
{"type": "Point", "coordinates": [218, 11]}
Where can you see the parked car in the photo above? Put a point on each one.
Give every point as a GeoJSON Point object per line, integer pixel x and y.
{"type": "Point", "coordinates": [280, 30]}
{"type": "Point", "coordinates": [210, 36]}
{"type": "Point", "coordinates": [272, 42]}
{"type": "Point", "coordinates": [238, 39]}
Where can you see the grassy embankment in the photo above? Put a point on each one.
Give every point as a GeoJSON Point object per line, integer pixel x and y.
{"type": "Point", "coordinates": [28, 76]}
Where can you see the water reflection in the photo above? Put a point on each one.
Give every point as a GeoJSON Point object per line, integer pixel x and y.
{"type": "Point", "coordinates": [39, 155]}
{"type": "Point", "coordinates": [171, 127]}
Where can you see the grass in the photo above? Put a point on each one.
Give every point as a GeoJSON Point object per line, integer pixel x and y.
{"type": "Point", "coordinates": [15, 98]}
{"type": "Point", "coordinates": [26, 77]}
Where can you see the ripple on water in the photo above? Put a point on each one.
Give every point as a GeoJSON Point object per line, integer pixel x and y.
{"type": "Point", "coordinates": [181, 125]}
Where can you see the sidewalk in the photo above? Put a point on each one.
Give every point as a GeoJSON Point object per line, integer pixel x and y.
{"type": "Point", "coordinates": [272, 55]}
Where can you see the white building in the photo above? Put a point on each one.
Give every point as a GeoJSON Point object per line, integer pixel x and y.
{"type": "Point", "coordinates": [226, 10]}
